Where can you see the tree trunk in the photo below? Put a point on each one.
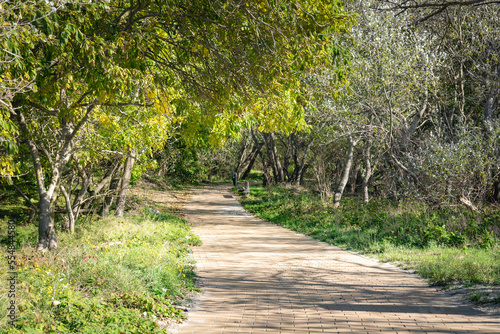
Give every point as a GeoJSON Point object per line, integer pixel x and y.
{"type": "Point", "coordinates": [244, 157]}
{"type": "Point", "coordinates": [272, 151]}
{"type": "Point", "coordinates": [354, 176]}
{"type": "Point", "coordinates": [301, 168]}
{"type": "Point", "coordinates": [253, 156]}
{"type": "Point", "coordinates": [368, 173]}
{"type": "Point", "coordinates": [496, 191]}
{"type": "Point", "coordinates": [279, 168]}
{"type": "Point", "coordinates": [71, 217]}
{"type": "Point", "coordinates": [414, 125]}
{"type": "Point", "coordinates": [287, 157]}
{"type": "Point", "coordinates": [489, 115]}
{"type": "Point", "coordinates": [86, 181]}
{"type": "Point", "coordinates": [266, 180]}
{"type": "Point", "coordinates": [110, 172]}
{"type": "Point", "coordinates": [266, 177]}
{"type": "Point", "coordinates": [108, 200]}
{"type": "Point", "coordinates": [57, 161]}
{"type": "Point", "coordinates": [294, 151]}
{"type": "Point", "coordinates": [270, 156]}
{"type": "Point", "coordinates": [127, 173]}
{"type": "Point", "coordinates": [46, 232]}
{"type": "Point", "coordinates": [345, 173]}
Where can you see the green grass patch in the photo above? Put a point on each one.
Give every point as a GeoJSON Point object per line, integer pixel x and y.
{"type": "Point", "coordinates": [444, 265]}
{"type": "Point", "coordinates": [118, 275]}
{"type": "Point", "coordinates": [442, 245]}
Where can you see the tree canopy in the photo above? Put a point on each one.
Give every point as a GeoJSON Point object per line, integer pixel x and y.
{"type": "Point", "coordinates": [121, 76]}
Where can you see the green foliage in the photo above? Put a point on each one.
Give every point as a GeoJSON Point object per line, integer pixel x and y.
{"type": "Point", "coordinates": [478, 298]}
{"type": "Point", "coordinates": [464, 166]}
{"type": "Point", "coordinates": [8, 148]}
{"type": "Point", "coordinates": [188, 168]}
{"type": "Point", "coordinates": [255, 176]}
{"type": "Point", "coordinates": [114, 276]}
{"type": "Point", "coordinates": [391, 228]}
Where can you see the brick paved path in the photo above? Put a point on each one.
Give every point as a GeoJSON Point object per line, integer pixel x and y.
{"type": "Point", "coordinates": [260, 278]}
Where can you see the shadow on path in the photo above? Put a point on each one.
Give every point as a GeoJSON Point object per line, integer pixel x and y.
{"type": "Point", "coordinates": [260, 278]}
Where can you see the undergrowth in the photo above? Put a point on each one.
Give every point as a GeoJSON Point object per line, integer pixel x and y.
{"type": "Point", "coordinates": [118, 275]}
{"type": "Point", "coordinates": [442, 245]}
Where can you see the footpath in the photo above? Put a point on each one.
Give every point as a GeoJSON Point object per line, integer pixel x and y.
{"type": "Point", "coordinates": [260, 278]}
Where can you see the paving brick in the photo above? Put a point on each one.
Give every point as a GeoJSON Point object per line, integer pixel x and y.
{"type": "Point", "coordinates": [260, 278]}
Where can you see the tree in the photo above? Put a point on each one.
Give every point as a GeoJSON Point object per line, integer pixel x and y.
{"type": "Point", "coordinates": [392, 72]}
{"type": "Point", "coordinates": [428, 9]}
{"type": "Point", "coordinates": [460, 153]}
{"type": "Point", "coordinates": [87, 57]}
{"type": "Point", "coordinates": [17, 31]}
{"type": "Point", "coordinates": [79, 66]}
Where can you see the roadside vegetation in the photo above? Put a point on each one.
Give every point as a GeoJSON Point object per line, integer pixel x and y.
{"type": "Point", "coordinates": [385, 110]}
{"type": "Point", "coordinates": [118, 275]}
{"type": "Point", "coordinates": [443, 245]}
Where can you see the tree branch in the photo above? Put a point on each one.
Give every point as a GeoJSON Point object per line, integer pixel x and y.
{"type": "Point", "coordinates": [24, 196]}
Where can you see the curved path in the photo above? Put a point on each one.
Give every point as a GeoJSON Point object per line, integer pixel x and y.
{"type": "Point", "coordinates": [260, 278]}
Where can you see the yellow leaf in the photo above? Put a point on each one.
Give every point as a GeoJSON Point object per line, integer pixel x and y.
{"type": "Point", "coordinates": [102, 97]}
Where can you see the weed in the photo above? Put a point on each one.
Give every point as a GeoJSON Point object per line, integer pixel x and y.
{"type": "Point", "coordinates": [479, 298]}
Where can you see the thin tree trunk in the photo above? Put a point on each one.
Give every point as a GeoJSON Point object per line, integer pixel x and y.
{"type": "Point", "coordinates": [24, 196]}
{"type": "Point", "coordinates": [287, 157]}
{"type": "Point", "coordinates": [302, 169]}
{"type": "Point", "coordinates": [105, 181]}
{"type": "Point", "coordinates": [490, 102]}
{"type": "Point", "coordinates": [279, 168]}
{"type": "Point", "coordinates": [414, 124]}
{"type": "Point", "coordinates": [127, 173]}
{"type": "Point", "coordinates": [69, 210]}
{"type": "Point", "coordinates": [108, 200]}
{"type": "Point", "coordinates": [270, 155]}
{"type": "Point", "coordinates": [294, 150]}
{"type": "Point", "coordinates": [354, 176]}
{"type": "Point", "coordinates": [86, 180]}
{"type": "Point", "coordinates": [251, 162]}
{"type": "Point", "coordinates": [275, 159]}
{"type": "Point", "coordinates": [266, 180]}
{"type": "Point", "coordinates": [244, 156]}
{"type": "Point", "coordinates": [368, 173]}
{"type": "Point", "coordinates": [345, 173]}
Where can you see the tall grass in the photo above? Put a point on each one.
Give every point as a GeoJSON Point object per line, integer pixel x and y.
{"type": "Point", "coordinates": [443, 245]}
{"type": "Point", "coordinates": [113, 276]}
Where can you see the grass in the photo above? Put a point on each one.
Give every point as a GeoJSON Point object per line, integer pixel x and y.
{"type": "Point", "coordinates": [113, 276]}
{"type": "Point", "coordinates": [478, 298]}
{"type": "Point", "coordinates": [444, 246]}
{"type": "Point", "coordinates": [444, 265]}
